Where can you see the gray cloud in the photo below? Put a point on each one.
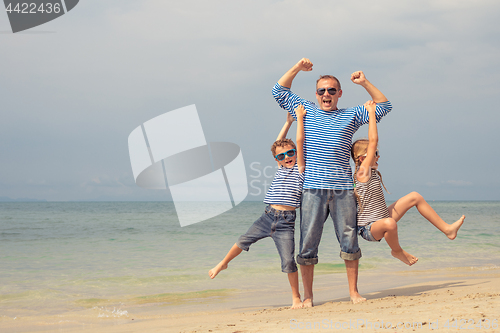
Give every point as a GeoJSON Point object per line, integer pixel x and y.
{"type": "Point", "coordinates": [70, 98]}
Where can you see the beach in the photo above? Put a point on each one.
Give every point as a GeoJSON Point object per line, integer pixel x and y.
{"type": "Point", "coordinates": [439, 305]}
{"type": "Point", "coordinates": [455, 299]}
{"type": "Point", "coordinates": [130, 267]}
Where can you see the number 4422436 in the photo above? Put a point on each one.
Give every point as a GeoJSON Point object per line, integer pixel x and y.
{"type": "Point", "coordinates": [33, 8]}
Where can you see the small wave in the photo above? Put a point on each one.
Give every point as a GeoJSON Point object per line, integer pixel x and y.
{"type": "Point", "coordinates": [10, 233]}
{"type": "Point", "coordinates": [166, 298]}
{"type": "Point", "coordinates": [449, 269]}
{"type": "Point", "coordinates": [177, 298]}
{"type": "Point", "coordinates": [31, 295]}
{"type": "Point", "coordinates": [326, 268]}
{"type": "Point", "coordinates": [485, 268]}
{"type": "Point", "coordinates": [131, 230]}
{"type": "Point", "coordinates": [104, 312]}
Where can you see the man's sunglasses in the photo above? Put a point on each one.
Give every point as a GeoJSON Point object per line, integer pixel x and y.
{"type": "Point", "coordinates": [289, 153]}
{"type": "Point", "coordinates": [331, 91]}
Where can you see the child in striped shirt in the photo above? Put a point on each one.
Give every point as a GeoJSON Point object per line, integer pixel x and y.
{"type": "Point", "coordinates": [283, 197]}
{"type": "Point", "coordinates": [375, 219]}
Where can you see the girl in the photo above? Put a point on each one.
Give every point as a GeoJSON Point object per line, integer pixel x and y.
{"type": "Point", "coordinates": [375, 219]}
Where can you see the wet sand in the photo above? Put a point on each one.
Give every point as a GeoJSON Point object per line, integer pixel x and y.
{"type": "Point", "coordinates": [442, 300]}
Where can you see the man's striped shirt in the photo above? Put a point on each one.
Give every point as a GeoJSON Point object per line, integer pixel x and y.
{"type": "Point", "coordinates": [328, 139]}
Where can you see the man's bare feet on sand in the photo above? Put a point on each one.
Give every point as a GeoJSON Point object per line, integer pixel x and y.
{"type": "Point", "coordinates": [307, 303]}
{"type": "Point", "coordinates": [404, 257]}
{"type": "Point", "coordinates": [297, 303]}
{"type": "Point", "coordinates": [214, 271]}
{"type": "Point", "coordinates": [357, 298]}
{"type": "Point", "coordinates": [452, 233]}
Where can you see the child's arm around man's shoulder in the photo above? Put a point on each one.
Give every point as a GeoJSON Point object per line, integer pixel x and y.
{"type": "Point", "coordinates": [367, 160]}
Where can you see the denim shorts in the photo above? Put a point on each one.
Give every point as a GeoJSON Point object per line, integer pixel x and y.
{"type": "Point", "coordinates": [317, 205]}
{"type": "Point", "coordinates": [280, 226]}
{"type": "Point", "coordinates": [365, 232]}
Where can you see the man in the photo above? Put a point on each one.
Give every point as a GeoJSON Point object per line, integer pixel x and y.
{"type": "Point", "coordinates": [328, 185]}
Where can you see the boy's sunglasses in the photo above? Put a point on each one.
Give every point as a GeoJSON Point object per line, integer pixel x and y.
{"type": "Point", "coordinates": [331, 91]}
{"type": "Point", "coordinates": [289, 153]}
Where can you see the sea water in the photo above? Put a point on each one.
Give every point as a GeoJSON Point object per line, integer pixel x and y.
{"type": "Point", "coordinates": [113, 257]}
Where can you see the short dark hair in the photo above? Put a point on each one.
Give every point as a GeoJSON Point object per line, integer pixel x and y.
{"type": "Point", "coordinates": [325, 77]}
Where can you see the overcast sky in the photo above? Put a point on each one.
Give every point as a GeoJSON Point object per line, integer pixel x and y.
{"type": "Point", "coordinates": [72, 90]}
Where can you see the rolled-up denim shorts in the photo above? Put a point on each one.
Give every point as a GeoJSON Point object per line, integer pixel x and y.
{"type": "Point", "coordinates": [365, 232]}
{"type": "Point", "coordinates": [280, 226]}
{"type": "Point", "coordinates": [317, 205]}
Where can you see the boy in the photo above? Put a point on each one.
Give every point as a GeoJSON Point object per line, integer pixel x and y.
{"type": "Point", "coordinates": [283, 197]}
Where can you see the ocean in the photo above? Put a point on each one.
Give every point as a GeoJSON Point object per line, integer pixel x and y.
{"type": "Point", "coordinates": [117, 259]}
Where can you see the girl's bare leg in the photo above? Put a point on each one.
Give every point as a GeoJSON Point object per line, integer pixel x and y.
{"type": "Point", "coordinates": [233, 253]}
{"type": "Point", "coordinates": [388, 229]}
{"type": "Point", "coordinates": [401, 206]}
{"type": "Point", "coordinates": [293, 278]}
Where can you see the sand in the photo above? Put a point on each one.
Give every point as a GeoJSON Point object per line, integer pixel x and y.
{"type": "Point", "coordinates": [454, 300]}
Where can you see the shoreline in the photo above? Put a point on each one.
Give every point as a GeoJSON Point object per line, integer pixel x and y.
{"type": "Point", "coordinates": [429, 297]}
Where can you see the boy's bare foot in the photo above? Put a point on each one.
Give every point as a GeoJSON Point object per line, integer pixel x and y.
{"type": "Point", "coordinates": [307, 303]}
{"type": "Point", "coordinates": [404, 257]}
{"type": "Point", "coordinates": [452, 233]}
{"type": "Point", "coordinates": [214, 271]}
{"type": "Point", "coordinates": [297, 303]}
{"type": "Point", "coordinates": [357, 298]}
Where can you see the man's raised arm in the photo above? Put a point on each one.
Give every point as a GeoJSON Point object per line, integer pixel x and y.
{"type": "Point", "coordinates": [281, 90]}
{"type": "Point", "coordinates": [359, 78]}
{"type": "Point", "coordinates": [304, 64]}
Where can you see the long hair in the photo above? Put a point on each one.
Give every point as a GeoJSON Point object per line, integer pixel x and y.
{"type": "Point", "coordinates": [358, 149]}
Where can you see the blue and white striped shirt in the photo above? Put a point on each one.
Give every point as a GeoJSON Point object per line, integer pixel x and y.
{"type": "Point", "coordinates": [286, 188]}
{"type": "Point", "coordinates": [328, 139]}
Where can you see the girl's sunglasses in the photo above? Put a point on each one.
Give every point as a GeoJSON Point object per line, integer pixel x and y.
{"type": "Point", "coordinates": [376, 154]}
{"type": "Point", "coordinates": [289, 153]}
{"type": "Point", "coordinates": [331, 91]}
